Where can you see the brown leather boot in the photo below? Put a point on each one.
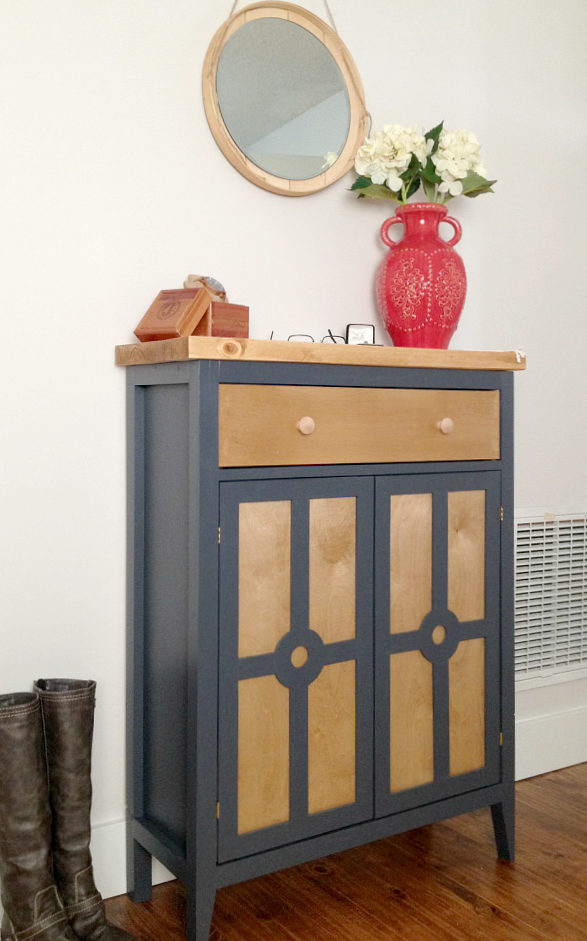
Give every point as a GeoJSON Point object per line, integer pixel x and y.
{"type": "Point", "coordinates": [68, 719]}
{"type": "Point", "coordinates": [33, 910]}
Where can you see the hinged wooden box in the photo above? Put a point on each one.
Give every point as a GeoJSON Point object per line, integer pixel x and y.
{"type": "Point", "coordinates": [224, 320]}
{"type": "Point", "coordinates": [192, 312]}
{"type": "Point", "coordinates": [174, 314]}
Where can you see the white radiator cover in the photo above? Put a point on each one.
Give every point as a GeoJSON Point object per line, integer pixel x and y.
{"type": "Point", "coordinates": [551, 638]}
{"type": "Point", "coordinates": [551, 595]}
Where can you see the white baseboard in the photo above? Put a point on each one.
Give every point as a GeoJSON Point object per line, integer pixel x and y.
{"type": "Point", "coordinates": [549, 742]}
{"type": "Point", "coordinates": [109, 858]}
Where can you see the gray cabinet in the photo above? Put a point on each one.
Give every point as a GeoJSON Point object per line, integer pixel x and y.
{"type": "Point", "coordinates": [320, 612]}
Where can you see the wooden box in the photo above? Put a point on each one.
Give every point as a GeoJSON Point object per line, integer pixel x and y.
{"type": "Point", "coordinates": [224, 320]}
{"type": "Point", "coordinates": [174, 314]}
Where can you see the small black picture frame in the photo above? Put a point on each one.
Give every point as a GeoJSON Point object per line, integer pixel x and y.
{"type": "Point", "coordinates": [359, 334]}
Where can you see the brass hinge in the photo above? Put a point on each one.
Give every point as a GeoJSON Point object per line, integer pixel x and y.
{"type": "Point", "coordinates": [218, 810]}
{"type": "Point", "coordinates": [219, 536]}
{"type": "Point", "coordinates": [501, 739]}
{"type": "Point", "coordinates": [501, 513]}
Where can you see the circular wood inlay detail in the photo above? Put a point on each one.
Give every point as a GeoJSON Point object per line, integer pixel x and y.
{"type": "Point", "coordinates": [439, 634]}
{"type": "Point", "coordinates": [299, 656]}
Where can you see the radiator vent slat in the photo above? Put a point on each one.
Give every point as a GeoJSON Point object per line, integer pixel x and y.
{"type": "Point", "coordinates": [550, 595]}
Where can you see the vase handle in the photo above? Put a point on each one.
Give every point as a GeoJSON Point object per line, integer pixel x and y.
{"type": "Point", "coordinates": [458, 230]}
{"type": "Point", "coordinates": [384, 230]}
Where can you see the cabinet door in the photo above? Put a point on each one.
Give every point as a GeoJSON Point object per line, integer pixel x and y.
{"type": "Point", "coordinates": [296, 660]}
{"type": "Point", "coordinates": [437, 637]}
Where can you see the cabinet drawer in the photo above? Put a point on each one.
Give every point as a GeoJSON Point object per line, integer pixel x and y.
{"type": "Point", "coordinates": [258, 425]}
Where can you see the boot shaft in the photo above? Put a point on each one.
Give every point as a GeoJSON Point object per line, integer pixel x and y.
{"type": "Point", "coordinates": [30, 899]}
{"type": "Point", "coordinates": [25, 815]}
{"type": "Point", "coordinates": [68, 719]}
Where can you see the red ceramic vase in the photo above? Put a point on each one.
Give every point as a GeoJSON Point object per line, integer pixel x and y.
{"type": "Point", "coordinates": [421, 284]}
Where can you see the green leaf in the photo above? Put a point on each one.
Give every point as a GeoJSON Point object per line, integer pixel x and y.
{"type": "Point", "coordinates": [479, 192]}
{"type": "Point", "coordinates": [434, 135]}
{"type": "Point", "coordinates": [361, 182]}
{"type": "Point", "coordinates": [429, 172]}
{"type": "Point", "coordinates": [414, 167]}
{"type": "Point", "coordinates": [376, 190]}
{"type": "Point", "coordinates": [474, 181]}
{"type": "Point", "coordinates": [413, 187]}
{"type": "Point", "coordinates": [475, 185]}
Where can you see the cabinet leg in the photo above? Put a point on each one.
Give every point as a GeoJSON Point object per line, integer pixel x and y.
{"type": "Point", "coordinates": [504, 829]}
{"type": "Point", "coordinates": [199, 910]}
{"type": "Point", "coordinates": [139, 872]}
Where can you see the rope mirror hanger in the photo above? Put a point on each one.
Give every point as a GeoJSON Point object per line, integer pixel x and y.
{"type": "Point", "coordinates": [325, 2]}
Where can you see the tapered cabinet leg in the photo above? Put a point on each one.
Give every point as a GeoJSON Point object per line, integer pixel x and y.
{"type": "Point", "coordinates": [504, 829]}
{"type": "Point", "coordinates": [139, 872]}
{"type": "Point", "coordinates": [199, 910]}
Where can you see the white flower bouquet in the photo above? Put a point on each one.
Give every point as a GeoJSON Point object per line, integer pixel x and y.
{"type": "Point", "coordinates": [397, 160]}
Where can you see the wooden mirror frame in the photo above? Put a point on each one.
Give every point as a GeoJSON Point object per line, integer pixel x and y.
{"type": "Point", "coordinates": [332, 42]}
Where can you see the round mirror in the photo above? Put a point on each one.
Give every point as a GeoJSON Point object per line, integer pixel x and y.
{"type": "Point", "coordinates": [283, 99]}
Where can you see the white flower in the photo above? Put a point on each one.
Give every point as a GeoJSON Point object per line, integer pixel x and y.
{"type": "Point", "coordinates": [386, 155]}
{"type": "Point", "coordinates": [392, 164]}
{"type": "Point", "coordinates": [394, 182]}
{"type": "Point", "coordinates": [330, 158]}
{"type": "Point", "coordinates": [455, 188]}
{"type": "Point", "coordinates": [457, 155]}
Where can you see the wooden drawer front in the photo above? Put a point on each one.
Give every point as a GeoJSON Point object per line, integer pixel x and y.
{"type": "Point", "coordinates": [258, 425]}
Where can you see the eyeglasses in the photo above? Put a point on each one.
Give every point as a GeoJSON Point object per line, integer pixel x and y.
{"type": "Point", "coordinates": [306, 338]}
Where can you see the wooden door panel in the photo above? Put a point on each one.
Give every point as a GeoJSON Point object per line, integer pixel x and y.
{"type": "Point", "coordinates": [466, 554]}
{"type": "Point", "coordinates": [466, 683]}
{"type": "Point", "coordinates": [331, 738]}
{"type": "Point", "coordinates": [333, 557]}
{"type": "Point", "coordinates": [263, 753]}
{"type": "Point", "coordinates": [296, 693]}
{"type": "Point", "coordinates": [410, 560]}
{"type": "Point", "coordinates": [411, 721]}
{"type": "Point", "coordinates": [437, 637]}
{"type": "Point", "coordinates": [264, 564]}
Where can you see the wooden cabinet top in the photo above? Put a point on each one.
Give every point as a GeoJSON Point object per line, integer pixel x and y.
{"type": "Point", "coordinates": [184, 349]}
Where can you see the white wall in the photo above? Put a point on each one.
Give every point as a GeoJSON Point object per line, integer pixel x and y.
{"type": "Point", "coordinates": [112, 188]}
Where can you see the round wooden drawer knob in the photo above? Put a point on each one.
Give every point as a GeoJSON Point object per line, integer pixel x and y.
{"type": "Point", "coordinates": [446, 425]}
{"type": "Point", "coordinates": [306, 425]}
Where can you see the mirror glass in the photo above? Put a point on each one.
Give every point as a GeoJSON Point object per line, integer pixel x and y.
{"type": "Point", "coordinates": [283, 98]}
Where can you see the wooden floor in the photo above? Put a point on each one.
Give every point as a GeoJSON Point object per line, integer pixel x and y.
{"type": "Point", "coordinates": [439, 883]}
